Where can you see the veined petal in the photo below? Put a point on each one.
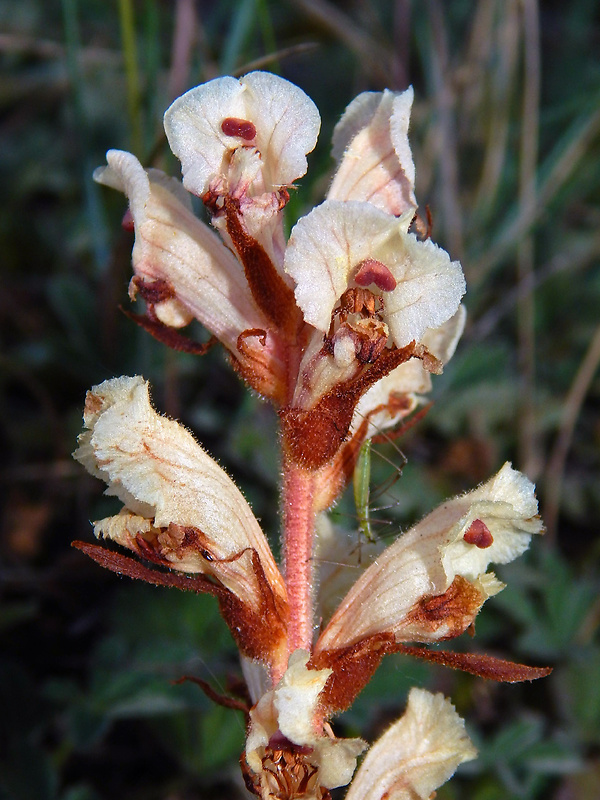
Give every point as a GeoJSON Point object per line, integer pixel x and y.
{"type": "Point", "coordinates": [419, 753]}
{"type": "Point", "coordinates": [327, 247]}
{"type": "Point", "coordinates": [264, 111]}
{"type": "Point", "coordinates": [409, 380]}
{"type": "Point", "coordinates": [172, 245]}
{"type": "Point", "coordinates": [428, 293]}
{"type": "Point", "coordinates": [370, 143]}
{"type": "Point", "coordinates": [177, 500]}
{"type": "Point", "coordinates": [431, 582]}
{"type": "Point", "coordinates": [508, 507]}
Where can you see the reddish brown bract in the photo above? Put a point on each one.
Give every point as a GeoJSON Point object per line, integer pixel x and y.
{"type": "Point", "coordinates": [287, 775]}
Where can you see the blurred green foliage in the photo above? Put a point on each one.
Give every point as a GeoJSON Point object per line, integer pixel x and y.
{"type": "Point", "coordinates": [87, 662]}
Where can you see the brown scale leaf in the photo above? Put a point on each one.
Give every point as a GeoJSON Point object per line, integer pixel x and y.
{"type": "Point", "coordinates": [125, 565]}
{"type": "Point", "coordinates": [480, 664]}
{"type": "Point", "coordinates": [353, 667]}
{"type": "Point", "coordinates": [312, 437]}
{"type": "Point", "coordinates": [257, 632]}
{"type": "Point", "coordinates": [216, 697]}
{"type": "Point", "coordinates": [270, 292]}
{"type": "Point", "coordinates": [169, 336]}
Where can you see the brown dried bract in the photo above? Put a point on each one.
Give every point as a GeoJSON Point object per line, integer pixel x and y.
{"type": "Point", "coordinates": [480, 664]}
{"type": "Point", "coordinates": [169, 336]}
{"type": "Point", "coordinates": [353, 667]}
{"type": "Point", "coordinates": [270, 292]}
{"type": "Point", "coordinates": [454, 610]}
{"type": "Point", "coordinates": [313, 436]}
{"type": "Point", "coordinates": [286, 775]}
{"type": "Point", "coordinates": [258, 632]}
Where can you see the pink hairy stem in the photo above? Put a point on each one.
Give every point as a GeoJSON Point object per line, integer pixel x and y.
{"type": "Point", "coordinates": [298, 534]}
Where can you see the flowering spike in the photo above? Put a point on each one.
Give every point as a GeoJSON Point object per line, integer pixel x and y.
{"type": "Point", "coordinates": [340, 328]}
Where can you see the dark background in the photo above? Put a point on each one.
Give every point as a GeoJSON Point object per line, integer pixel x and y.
{"type": "Point", "coordinates": [506, 138]}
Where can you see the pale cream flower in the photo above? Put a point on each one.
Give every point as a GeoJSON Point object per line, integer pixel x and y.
{"type": "Point", "coordinates": [370, 144]}
{"type": "Point", "coordinates": [446, 556]}
{"type": "Point", "coordinates": [180, 508]}
{"type": "Point", "coordinates": [419, 753]}
{"type": "Point", "coordinates": [344, 245]}
{"type": "Point", "coordinates": [252, 133]}
{"type": "Point", "coordinates": [340, 328]}
{"type": "Point", "coordinates": [173, 246]}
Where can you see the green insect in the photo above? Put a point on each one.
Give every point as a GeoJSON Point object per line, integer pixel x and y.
{"type": "Point", "coordinates": [362, 490]}
{"type": "Point", "coordinates": [363, 497]}
{"type": "Point", "coordinates": [362, 473]}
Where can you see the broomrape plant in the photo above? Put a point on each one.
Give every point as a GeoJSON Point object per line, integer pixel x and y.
{"type": "Point", "coordinates": [340, 327]}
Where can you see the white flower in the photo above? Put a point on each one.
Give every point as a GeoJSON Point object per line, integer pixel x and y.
{"type": "Point", "coordinates": [414, 757]}
{"type": "Point", "coordinates": [446, 555]}
{"type": "Point", "coordinates": [255, 130]}
{"type": "Point", "coordinates": [343, 245]}
{"type": "Point", "coordinates": [370, 144]}
{"type": "Point", "coordinates": [173, 246]}
{"type": "Point", "coordinates": [180, 508]}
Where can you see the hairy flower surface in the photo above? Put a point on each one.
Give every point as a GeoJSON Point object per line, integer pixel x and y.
{"type": "Point", "coordinates": [340, 327]}
{"type": "Point", "coordinates": [180, 508]}
{"type": "Point", "coordinates": [417, 754]}
{"type": "Point", "coordinates": [427, 560]}
{"type": "Point", "coordinates": [370, 145]}
{"type": "Point", "coordinates": [343, 245]}
{"type": "Point", "coordinates": [174, 247]}
{"type": "Point", "coordinates": [252, 133]}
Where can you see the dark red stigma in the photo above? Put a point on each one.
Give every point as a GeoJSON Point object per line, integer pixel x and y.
{"type": "Point", "coordinates": [372, 271]}
{"type": "Point", "coordinates": [479, 534]}
{"type": "Point", "coordinates": [242, 128]}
